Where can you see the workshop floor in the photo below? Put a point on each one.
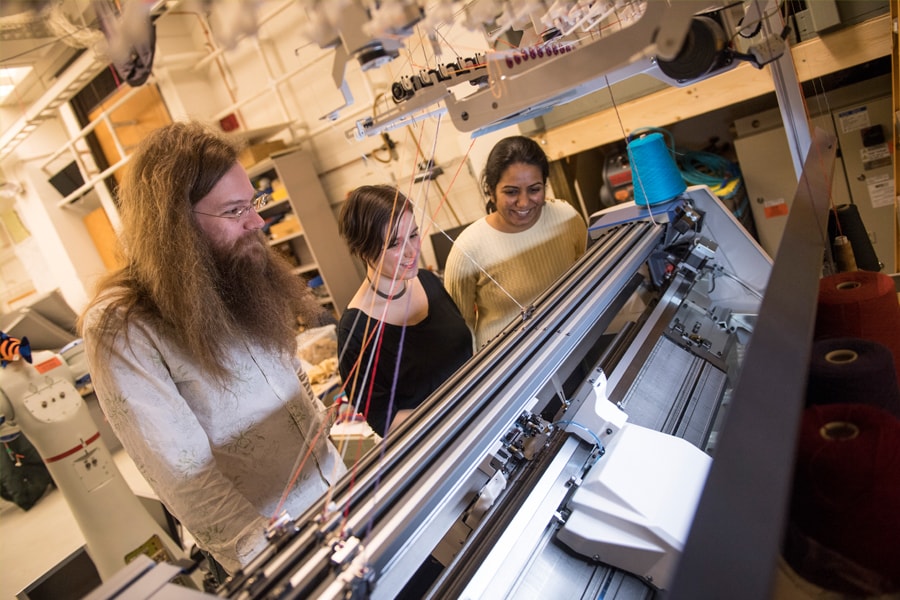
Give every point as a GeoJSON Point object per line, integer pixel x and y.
{"type": "Point", "coordinates": [33, 542]}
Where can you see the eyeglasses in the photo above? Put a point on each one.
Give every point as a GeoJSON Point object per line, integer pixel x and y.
{"type": "Point", "coordinates": [259, 201]}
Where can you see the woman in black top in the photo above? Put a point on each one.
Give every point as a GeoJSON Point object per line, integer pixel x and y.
{"type": "Point", "coordinates": [401, 335]}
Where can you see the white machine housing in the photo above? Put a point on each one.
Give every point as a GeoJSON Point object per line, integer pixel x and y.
{"type": "Point", "coordinates": [42, 401]}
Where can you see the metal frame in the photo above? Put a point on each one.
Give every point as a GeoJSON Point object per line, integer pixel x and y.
{"type": "Point", "coordinates": [736, 537]}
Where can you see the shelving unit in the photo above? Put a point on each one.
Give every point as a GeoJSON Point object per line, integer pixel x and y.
{"type": "Point", "coordinates": [312, 244]}
{"type": "Point", "coordinates": [817, 57]}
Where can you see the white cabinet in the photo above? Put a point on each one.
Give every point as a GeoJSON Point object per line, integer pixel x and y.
{"type": "Point", "coordinates": [302, 227]}
{"type": "Point", "coordinates": [859, 115]}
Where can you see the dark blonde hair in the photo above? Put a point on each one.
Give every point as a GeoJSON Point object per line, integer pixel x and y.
{"type": "Point", "coordinates": [169, 275]}
{"type": "Point", "coordinates": [365, 216]}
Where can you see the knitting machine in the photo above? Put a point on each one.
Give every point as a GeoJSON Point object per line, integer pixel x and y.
{"type": "Point", "coordinates": [566, 51]}
{"type": "Point", "coordinates": [570, 453]}
{"type": "Point", "coordinates": [626, 435]}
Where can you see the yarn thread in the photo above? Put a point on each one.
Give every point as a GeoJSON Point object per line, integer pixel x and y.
{"type": "Point", "coordinates": [843, 254]}
{"type": "Point", "coordinates": [845, 497]}
{"type": "Point", "coordinates": [654, 170]}
{"type": "Point", "coordinates": [848, 370]}
{"type": "Point", "coordinates": [845, 220]}
{"type": "Point", "coordinates": [860, 304]}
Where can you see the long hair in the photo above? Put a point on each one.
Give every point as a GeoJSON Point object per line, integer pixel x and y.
{"type": "Point", "coordinates": [506, 152]}
{"type": "Point", "coordinates": [365, 217]}
{"type": "Point", "coordinates": [170, 278]}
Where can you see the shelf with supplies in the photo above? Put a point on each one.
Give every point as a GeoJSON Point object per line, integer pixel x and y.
{"type": "Point", "coordinates": [284, 237]}
{"type": "Point", "coordinates": [283, 229]}
{"type": "Point", "coordinates": [294, 248]}
{"type": "Point", "coordinates": [302, 269]}
{"type": "Point", "coordinates": [276, 206]}
{"type": "Point", "coordinates": [302, 227]}
{"type": "Point", "coordinates": [281, 222]}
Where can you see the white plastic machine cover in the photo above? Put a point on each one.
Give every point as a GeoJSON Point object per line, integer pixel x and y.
{"type": "Point", "coordinates": [634, 508]}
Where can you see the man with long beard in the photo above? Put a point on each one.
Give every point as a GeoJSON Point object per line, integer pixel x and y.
{"type": "Point", "coordinates": [192, 344]}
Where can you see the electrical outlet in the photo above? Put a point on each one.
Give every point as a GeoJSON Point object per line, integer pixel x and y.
{"type": "Point", "coordinates": [768, 51]}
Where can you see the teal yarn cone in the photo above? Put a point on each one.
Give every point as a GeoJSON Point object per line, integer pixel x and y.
{"type": "Point", "coordinates": [654, 172]}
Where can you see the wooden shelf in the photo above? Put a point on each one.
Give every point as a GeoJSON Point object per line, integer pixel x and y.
{"type": "Point", "coordinates": [262, 134]}
{"type": "Point", "coordinates": [277, 204]}
{"type": "Point", "coordinates": [322, 248]}
{"type": "Point", "coordinates": [286, 238]}
{"type": "Point", "coordinates": [305, 269]}
{"type": "Point", "coordinates": [828, 53]}
{"type": "Point", "coordinates": [259, 168]}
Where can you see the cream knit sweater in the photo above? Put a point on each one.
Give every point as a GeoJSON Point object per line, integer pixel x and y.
{"type": "Point", "coordinates": [490, 274]}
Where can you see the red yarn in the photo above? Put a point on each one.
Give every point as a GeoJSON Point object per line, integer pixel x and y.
{"type": "Point", "coordinates": [860, 304]}
{"type": "Point", "coordinates": [847, 485]}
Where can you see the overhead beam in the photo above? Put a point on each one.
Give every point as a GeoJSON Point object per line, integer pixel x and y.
{"type": "Point", "coordinates": [813, 58]}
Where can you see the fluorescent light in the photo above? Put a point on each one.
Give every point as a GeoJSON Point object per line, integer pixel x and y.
{"type": "Point", "coordinates": [10, 78]}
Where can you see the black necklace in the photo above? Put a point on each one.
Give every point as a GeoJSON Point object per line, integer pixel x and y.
{"type": "Point", "coordinates": [381, 294]}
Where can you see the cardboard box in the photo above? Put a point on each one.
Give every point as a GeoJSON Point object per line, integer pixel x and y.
{"type": "Point", "coordinates": [289, 225]}
{"type": "Point", "coordinates": [279, 192]}
{"type": "Point", "coordinates": [254, 153]}
{"type": "Point", "coordinates": [353, 439]}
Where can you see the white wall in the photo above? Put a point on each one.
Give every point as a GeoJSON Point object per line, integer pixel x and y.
{"type": "Point", "coordinates": [59, 253]}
